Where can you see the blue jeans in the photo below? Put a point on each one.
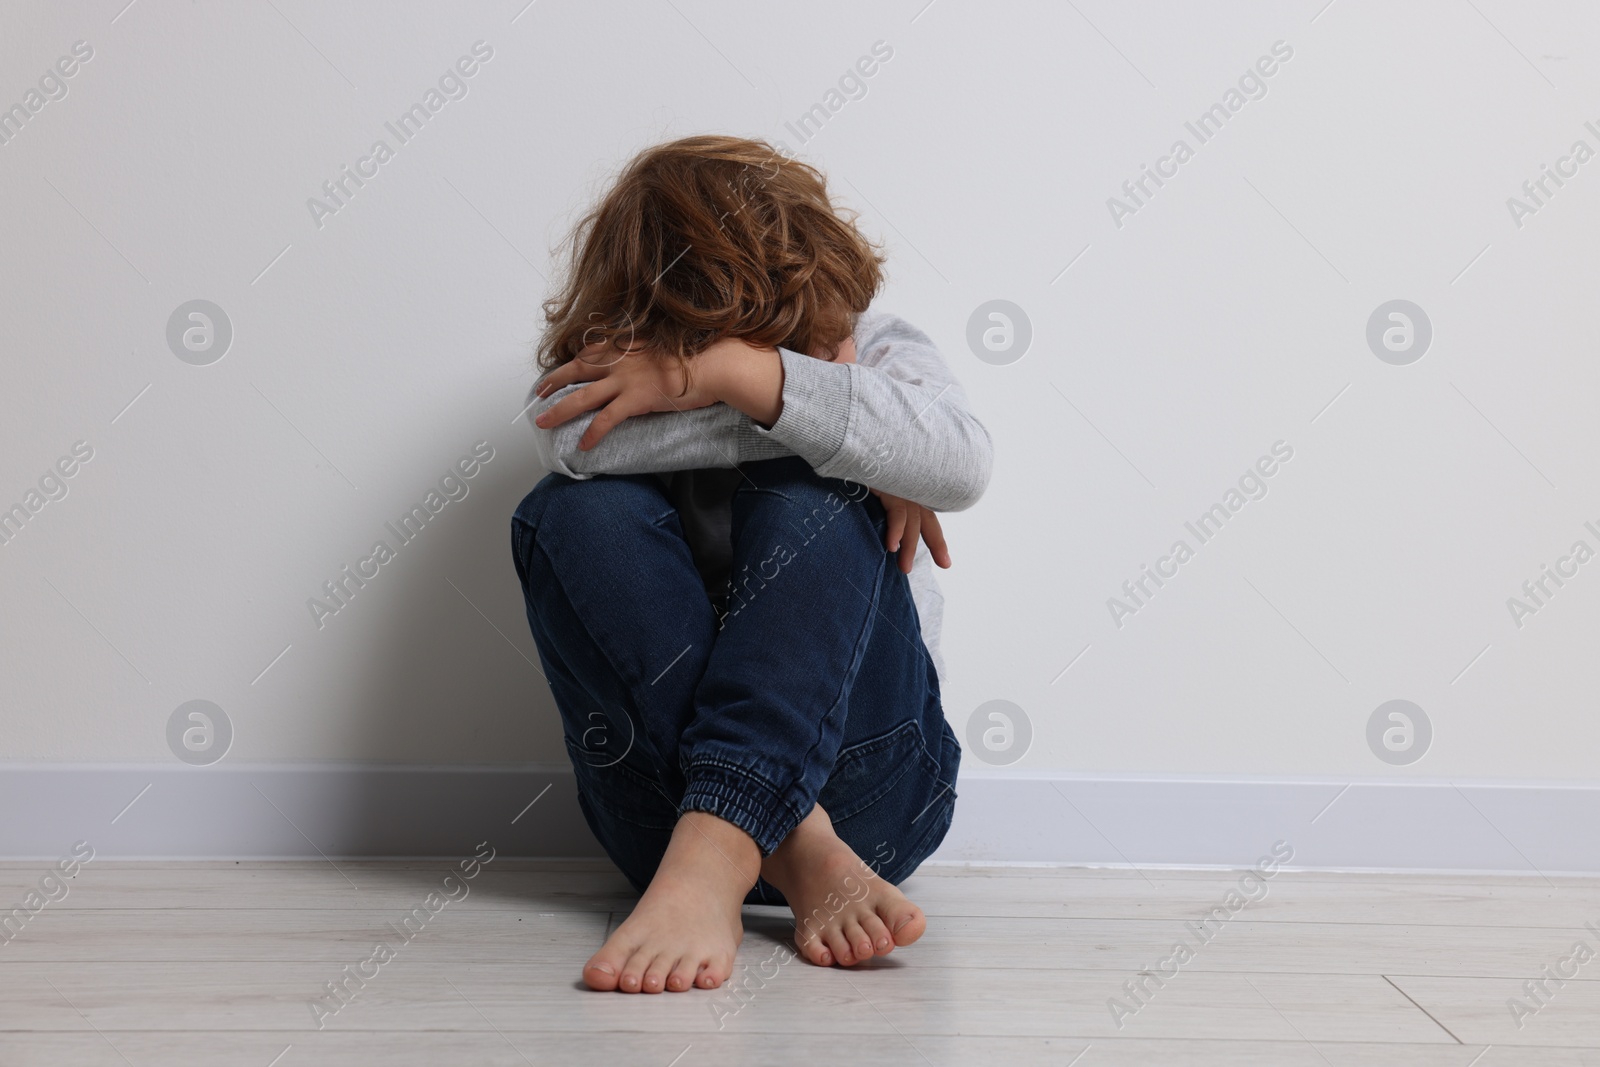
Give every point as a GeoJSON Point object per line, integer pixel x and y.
{"type": "Point", "coordinates": [811, 686]}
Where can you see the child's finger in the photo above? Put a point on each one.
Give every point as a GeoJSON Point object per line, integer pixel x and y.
{"type": "Point", "coordinates": [588, 367]}
{"type": "Point", "coordinates": [933, 534]}
{"type": "Point", "coordinates": [559, 378]}
{"type": "Point", "coordinates": [609, 418]}
{"type": "Point", "coordinates": [908, 546]}
{"type": "Point", "coordinates": [595, 395]}
{"type": "Point", "coordinates": [895, 511]}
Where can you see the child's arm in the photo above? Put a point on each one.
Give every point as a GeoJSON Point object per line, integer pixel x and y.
{"type": "Point", "coordinates": [714, 436]}
{"type": "Point", "coordinates": [896, 420]}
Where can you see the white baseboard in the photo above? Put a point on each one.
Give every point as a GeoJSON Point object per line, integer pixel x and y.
{"type": "Point", "coordinates": [286, 811]}
{"type": "Point", "coordinates": [1381, 825]}
{"type": "Point", "coordinates": [239, 811]}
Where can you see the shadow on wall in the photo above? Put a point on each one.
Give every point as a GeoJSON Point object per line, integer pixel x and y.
{"type": "Point", "coordinates": [449, 688]}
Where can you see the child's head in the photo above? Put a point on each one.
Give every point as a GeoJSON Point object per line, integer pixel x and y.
{"type": "Point", "coordinates": [706, 237]}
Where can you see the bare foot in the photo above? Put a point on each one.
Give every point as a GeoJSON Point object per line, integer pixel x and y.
{"type": "Point", "coordinates": [843, 912]}
{"type": "Point", "coordinates": [687, 926]}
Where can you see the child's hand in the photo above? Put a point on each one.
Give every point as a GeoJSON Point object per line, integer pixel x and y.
{"type": "Point", "coordinates": [730, 370]}
{"type": "Point", "coordinates": [909, 520]}
{"type": "Point", "coordinates": [622, 386]}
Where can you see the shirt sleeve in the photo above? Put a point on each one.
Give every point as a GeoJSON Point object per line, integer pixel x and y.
{"type": "Point", "coordinates": [895, 420]}
{"type": "Point", "coordinates": [715, 436]}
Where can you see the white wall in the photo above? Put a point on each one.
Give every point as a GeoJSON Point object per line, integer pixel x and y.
{"type": "Point", "coordinates": [374, 349]}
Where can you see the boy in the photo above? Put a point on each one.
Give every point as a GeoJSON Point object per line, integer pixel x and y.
{"type": "Point", "coordinates": [741, 454]}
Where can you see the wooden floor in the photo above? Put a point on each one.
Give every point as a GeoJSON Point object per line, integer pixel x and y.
{"type": "Point", "coordinates": [218, 963]}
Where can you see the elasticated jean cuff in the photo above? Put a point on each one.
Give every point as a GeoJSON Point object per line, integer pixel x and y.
{"type": "Point", "coordinates": [743, 799]}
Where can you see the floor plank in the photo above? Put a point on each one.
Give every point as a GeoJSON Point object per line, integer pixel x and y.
{"type": "Point", "coordinates": [1015, 892]}
{"type": "Point", "coordinates": [463, 933]}
{"type": "Point", "coordinates": [1478, 1009]}
{"type": "Point", "coordinates": [412, 995]}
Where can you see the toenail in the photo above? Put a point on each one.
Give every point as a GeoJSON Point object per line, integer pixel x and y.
{"type": "Point", "coordinates": [604, 968]}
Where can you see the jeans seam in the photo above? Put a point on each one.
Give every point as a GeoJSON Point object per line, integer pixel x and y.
{"type": "Point", "coordinates": [863, 639]}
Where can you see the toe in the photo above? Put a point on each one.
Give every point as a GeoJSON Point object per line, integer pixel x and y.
{"type": "Point", "coordinates": [839, 946]}
{"type": "Point", "coordinates": [878, 933]}
{"type": "Point", "coordinates": [633, 973]}
{"type": "Point", "coordinates": [811, 947]}
{"type": "Point", "coordinates": [906, 922]}
{"type": "Point", "coordinates": [604, 967]}
{"type": "Point", "coordinates": [682, 976]}
{"type": "Point", "coordinates": [714, 972]}
{"type": "Point", "coordinates": [857, 939]}
{"type": "Point", "coordinates": [600, 973]}
{"type": "Point", "coordinates": [655, 975]}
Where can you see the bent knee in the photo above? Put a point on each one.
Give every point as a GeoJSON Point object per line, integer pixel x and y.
{"type": "Point", "coordinates": [792, 480]}
{"type": "Point", "coordinates": [595, 506]}
{"type": "Point", "coordinates": [788, 490]}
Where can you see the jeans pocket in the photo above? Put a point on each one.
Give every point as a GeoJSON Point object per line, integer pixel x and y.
{"type": "Point", "coordinates": [865, 772]}
{"type": "Point", "coordinates": [890, 800]}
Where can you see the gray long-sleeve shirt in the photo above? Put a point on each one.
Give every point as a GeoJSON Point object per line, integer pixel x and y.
{"type": "Point", "coordinates": [895, 420]}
